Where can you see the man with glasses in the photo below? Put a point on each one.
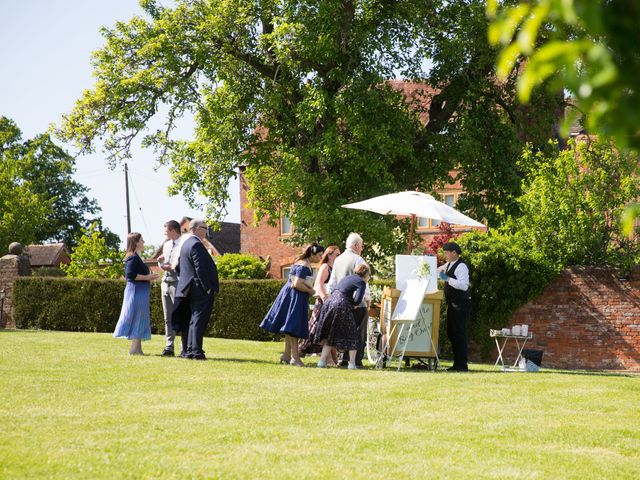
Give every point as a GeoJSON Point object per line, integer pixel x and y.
{"type": "Point", "coordinates": [343, 266]}
{"type": "Point", "coordinates": [197, 284]}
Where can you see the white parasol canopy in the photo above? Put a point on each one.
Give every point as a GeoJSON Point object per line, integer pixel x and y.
{"type": "Point", "coordinates": [414, 203]}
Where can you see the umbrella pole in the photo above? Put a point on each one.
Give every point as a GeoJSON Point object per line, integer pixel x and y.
{"type": "Point", "coordinates": [413, 225]}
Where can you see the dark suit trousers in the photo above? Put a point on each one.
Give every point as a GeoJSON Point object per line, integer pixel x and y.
{"type": "Point", "coordinates": [362, 318]}
{"type": "Point", "coordinates": [457, 316]}
{"type": "Point", "coordinates": [201, 305]}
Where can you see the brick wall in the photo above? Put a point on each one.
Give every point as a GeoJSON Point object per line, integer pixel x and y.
{"type": "Point", "coordinates": [587, 318]}
{"type": "Point", "coordinates": [11, 266]}
{"type": "Point", "coordinates": [262, 239]}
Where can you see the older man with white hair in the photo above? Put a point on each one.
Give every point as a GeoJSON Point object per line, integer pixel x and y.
{"type": "Point", "coordinates": [343, 266]}
{"type": "Point", "coordinates": [197, 284]}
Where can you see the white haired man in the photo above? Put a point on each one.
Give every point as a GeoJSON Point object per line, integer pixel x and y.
{"type": "Point", "coordinates": [343, 266]}
{"type": "Point", "coordinates": [197, 284]}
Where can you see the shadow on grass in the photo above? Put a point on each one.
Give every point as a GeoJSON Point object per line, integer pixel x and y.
{"type": "Point", "coordinates": [588, 373]}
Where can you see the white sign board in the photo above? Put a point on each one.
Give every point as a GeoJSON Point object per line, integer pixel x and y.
{"type": "Point", "coordinates": [406, 266]}
{"type": "Point", "coordinates": [410, 300]}
{"type": "Point", "coordinates": [419, 342]}
{"type": "Point", "coordinates": [410, 306]}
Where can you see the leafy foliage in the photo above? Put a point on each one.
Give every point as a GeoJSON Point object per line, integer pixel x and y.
{"type": "Point", "coordinates": [47, 272]}
{"type": "Point", "coordinates": [299, 96]}
{"type": "Point", "coordinates": [18, 199]}
{"type": "Point", "coordinates": [592, 49]}
{"type": "Point", "coordinates": [437, 242]}
{"type": "Point", "coordinates": [569, 216]}
{"type": "Point", "coordinates": [93, 258]}
{"type": "Point", "coordinates": [238, 265]}
{"type": "Point", "coordinates": [504, 276]}
{"type": "Point", "coordinates": [39, 199]}
{"type": "Point", "coordinates": [572, 204]}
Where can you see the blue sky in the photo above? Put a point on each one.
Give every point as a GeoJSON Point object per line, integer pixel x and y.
{"type": "Point", "coordinates": [45, 53]}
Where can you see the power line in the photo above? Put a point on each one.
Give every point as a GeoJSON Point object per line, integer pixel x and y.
{"type": "Point", "coordinates": [144, 222]}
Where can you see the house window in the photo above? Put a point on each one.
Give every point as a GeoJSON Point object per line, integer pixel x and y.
{"type": "Point", "coordinates": [285, 225]}
{"type": "Point", "coordinates": [285, 271]}
{"type": "Point", "coordinates": [423, 222]}
{"type": "Point", "coordinates": [448, 199]}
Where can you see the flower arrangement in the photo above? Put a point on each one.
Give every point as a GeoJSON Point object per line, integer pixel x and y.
{"type": "Point", "coordinates": [423, 269]}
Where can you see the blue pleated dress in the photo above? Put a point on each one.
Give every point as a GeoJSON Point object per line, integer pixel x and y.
{"type": "Point", "coordinates": [135, 316]}
{"type": "Point", "coordinates": [290, 311]}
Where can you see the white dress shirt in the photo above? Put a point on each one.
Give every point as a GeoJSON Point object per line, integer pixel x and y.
{"type": "Point", "coordinates": [169, 251]}
{"type": "Point", "coordinates": [461, 282]}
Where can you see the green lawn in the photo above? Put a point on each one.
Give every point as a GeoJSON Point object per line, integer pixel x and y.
{"type": "Point", "coordinates": [75, 405]}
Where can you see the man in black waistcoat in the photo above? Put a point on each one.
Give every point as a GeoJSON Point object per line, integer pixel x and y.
{"type": "Point", "coordinates": [455, 274]}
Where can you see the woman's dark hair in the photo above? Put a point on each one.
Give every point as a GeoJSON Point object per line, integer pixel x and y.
{"type": "Point", "coordinates": [452, 247]}
{"type": "Point", "coordinates": [184, 224]}
{"type": "Point", "coordinates": [328, 252]}
{"type": "Point", "coordinates": [310, 250]}
{"type": "Point", "coordinates": [132, 242]}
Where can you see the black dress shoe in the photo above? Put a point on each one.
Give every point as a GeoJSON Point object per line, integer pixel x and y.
{"type": "Point", "coordinates": [183, 355]}
{"type": "Point", "coordinates": [457, 369]}
{"type": "Point", "coordinates": [167, 353]}
{"type": "Point", "coordinates": [198, 357]}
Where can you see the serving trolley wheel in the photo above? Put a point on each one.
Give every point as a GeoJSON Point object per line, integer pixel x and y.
{"type": "Point", "coordinates": [375, 344]}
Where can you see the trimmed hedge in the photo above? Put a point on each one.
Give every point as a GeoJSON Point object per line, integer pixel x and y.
{"type": "Point", "coordinates": [88, 305]}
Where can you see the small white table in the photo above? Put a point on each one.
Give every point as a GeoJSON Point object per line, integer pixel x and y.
{"type": "Point", "coordinates": [497, 335]}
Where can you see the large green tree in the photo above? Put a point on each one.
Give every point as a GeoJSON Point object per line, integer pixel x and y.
{"type": "Point", "coordinates": [93, 257]}
{"type": "Point", "coordinates": [297, 93]}
{"type": "Point", "coordinates": [39, 199]}
{"type": "Point", "coordinates": [22, 211]}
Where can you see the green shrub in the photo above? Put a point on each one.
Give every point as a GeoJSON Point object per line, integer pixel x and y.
{"type": "Point", "coordinates": [47, 272]}
{"type": "Point", "coordinates": [572, 202]}
{"type": "Point", "coordinates": [93, 257]}
{"type": "Point", "coordinates": [93, 305]}
{"type": "Point", "coordinates": [241, 266]}
{"type": "Point", "coordinates": [504, 276]}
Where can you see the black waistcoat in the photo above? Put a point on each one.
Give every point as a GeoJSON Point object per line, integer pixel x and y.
{"type": "Point", "coordinates": [453, 294]}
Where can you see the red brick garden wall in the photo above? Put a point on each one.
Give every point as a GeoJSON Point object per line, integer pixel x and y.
{"type": "Point", "coordinates": [587, 318]}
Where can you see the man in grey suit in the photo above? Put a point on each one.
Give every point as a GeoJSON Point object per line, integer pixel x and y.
{"type": "Point", "coordinates": [169, 281]}
{"type": "Point", "coordinates": [343, 266]}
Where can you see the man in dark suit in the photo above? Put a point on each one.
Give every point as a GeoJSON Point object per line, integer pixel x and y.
{"type": "Point", "coordinates": [197, 284]}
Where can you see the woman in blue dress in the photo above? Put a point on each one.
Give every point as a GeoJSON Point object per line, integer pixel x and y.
{"type": "Point", "coordinates": [289, 313]}
{"type": "Point", "coordinates": [135, 317]}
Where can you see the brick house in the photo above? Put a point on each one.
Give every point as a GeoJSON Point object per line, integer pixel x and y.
{"type": "Point", "coordinates": [263, 240]}
{"type": "Point", "coordinates": [50, 255]}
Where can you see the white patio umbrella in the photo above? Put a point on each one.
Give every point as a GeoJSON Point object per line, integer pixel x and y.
{"type": "Point", "coordinates": [415, 204]}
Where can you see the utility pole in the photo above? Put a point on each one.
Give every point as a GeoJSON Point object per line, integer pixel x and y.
{"type": "Point", "coordinates": [126, 191]}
